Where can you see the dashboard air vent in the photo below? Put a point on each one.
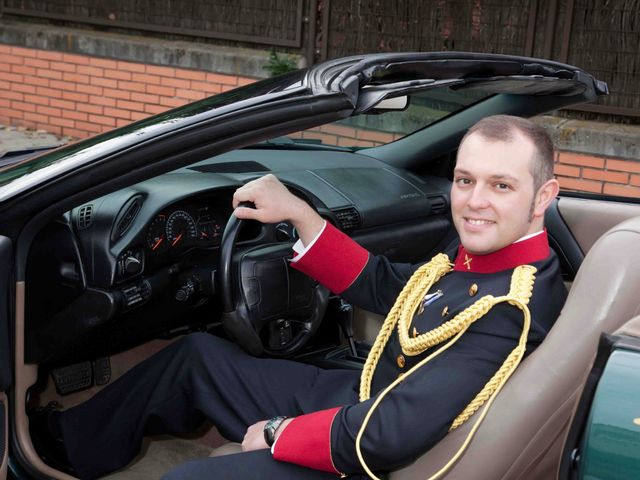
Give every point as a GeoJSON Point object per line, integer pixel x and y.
{"type": "Point", "coordinates": [231, 167]}
{"type": "Point", "coordinates": [348, 218]}
{"type": "Point", "coordinates": [438, 204]}
{"type": "Point", "coordinates": [84, 216]}
{"type": "Point", "coordinates": [126, 218]}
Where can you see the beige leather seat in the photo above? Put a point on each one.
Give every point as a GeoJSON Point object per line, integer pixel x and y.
{"type": "Point", "coordinates": [523, 433]}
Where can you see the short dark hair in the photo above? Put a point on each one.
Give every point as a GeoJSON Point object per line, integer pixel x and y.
{"type": "Point", "coordinates": [504, 128]}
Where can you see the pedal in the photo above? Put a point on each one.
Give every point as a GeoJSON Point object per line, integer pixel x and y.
{"type": "Point", "coordinates": [102, 371]}
{"type": "Point", "coordinates": [73, 378]}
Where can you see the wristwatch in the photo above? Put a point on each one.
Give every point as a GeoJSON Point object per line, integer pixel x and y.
{"type": "Point", "coordinates": [270, 429]}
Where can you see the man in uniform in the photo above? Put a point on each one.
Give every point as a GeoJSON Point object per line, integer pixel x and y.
{"type": "Point", "coordinates": [453, 322]}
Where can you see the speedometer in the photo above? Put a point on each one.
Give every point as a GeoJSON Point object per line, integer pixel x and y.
{"type": "Point", "coordinates": [156, 234]}
{"type": "Point", "coordinates": [181, 228]}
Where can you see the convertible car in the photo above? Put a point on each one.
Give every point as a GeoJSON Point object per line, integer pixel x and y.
{"type": "Point", "coordinates": [113, 247]}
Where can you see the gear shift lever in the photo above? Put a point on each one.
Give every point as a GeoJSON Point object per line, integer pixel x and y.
{"type": "Point", "coordinates": [345, 320]}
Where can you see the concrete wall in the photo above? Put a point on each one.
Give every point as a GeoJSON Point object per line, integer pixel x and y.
{"type": "Point", "coordinates": [78, 83]}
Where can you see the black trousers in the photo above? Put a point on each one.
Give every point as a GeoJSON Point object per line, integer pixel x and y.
{"type": "Point", "coordinates": [200, 377]}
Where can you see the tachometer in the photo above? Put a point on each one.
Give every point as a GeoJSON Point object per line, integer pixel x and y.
{"type": "Point", "coordinates": [181, 228]}
{"type": "Point", "coordinates": [157, 234]}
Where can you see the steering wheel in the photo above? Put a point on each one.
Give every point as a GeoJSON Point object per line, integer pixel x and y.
{"type": "Point", "coordinates": [268, 307]}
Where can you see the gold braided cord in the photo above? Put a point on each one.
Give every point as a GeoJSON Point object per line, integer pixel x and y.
{"type": "Point", "coordinates": [519, 295]}
{"type": "Point", "coordinates": [420, 282]}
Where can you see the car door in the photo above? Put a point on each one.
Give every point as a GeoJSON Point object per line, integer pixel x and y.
{"type": "Point", "coordinates": [6, 262]}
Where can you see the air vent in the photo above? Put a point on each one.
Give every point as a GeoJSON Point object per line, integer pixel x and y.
{"type": "Point", "coordinates": [438, 204]}
{"type": "Point", "coordinates": [348, 218]}
{"type": "Point", "coordinates": [126, 218]}
{"type": "Point", "coordinates": [231, 167]}
{"type": "Point", "coordinates": [84, 216]}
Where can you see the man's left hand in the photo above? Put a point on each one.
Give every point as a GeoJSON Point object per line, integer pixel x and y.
{"type": "Point", "coordinates": [254, 437]}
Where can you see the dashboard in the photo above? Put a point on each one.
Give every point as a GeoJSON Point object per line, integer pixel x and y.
{"type": "Point", "coordinates": [142, 261]}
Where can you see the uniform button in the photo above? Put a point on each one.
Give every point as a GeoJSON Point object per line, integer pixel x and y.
{"type": "Point", "coordinates": [473, 289]}
{"type": "Point", "coordinates": [445, 311]}
{"type": "Point", "coordinates": [400, 361]}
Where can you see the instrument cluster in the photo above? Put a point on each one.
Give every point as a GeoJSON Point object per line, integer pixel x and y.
{"type": "Point", "coordinates": [195, 225]}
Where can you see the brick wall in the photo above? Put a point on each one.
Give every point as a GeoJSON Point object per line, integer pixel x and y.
{"type": "Point", "coordinates": [79, 96]}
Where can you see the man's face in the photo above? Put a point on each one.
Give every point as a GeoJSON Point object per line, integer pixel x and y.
{"type": "Point", "coordinates": [492, 193]}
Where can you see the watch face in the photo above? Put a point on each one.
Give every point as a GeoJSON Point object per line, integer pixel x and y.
{"type": "Point", "coordinates": [270, 429]}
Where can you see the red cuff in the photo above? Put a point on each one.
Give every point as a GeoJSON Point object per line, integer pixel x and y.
{"type": "Point", "coordinates": [306, 441]}
{"type": "Point", "coordinates": [334, 260]}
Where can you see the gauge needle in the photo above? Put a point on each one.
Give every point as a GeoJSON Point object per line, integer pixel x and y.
{"type": "Point", "coordinates": [157, 244]}
{"type": "Point", "coordinates": [177, 239]}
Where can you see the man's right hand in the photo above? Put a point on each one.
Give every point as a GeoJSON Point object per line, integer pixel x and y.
{"type": "Point", "coordinates": [274, 203]}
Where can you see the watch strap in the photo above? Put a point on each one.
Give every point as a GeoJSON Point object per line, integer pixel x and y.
{"type": "Point", "coordinates": [271, 427]}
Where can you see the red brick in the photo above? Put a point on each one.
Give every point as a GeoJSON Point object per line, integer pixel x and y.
{"type": "Point", "coordinates": [352, 142]}
{"type": "Point", "coordinates": [5, 68]}
{"type": "Point", "coordinates": [102, 62]}
{"type": "Point", "coordinates": [5, 103]}
{"type": "Point", "coordinates": [175, 82]}
{"type": "Point", "coordinates": [5, 48]}
{"type": "Point", "coordinates": [614, 177]}
{"type": "Point", "coordinates": [223, 79]}
{"type": "Point", "coordinates": [579, 159]}
{"type": "Point", "coordinates": [64, 104]}
{"type": "Point", "coordinates": [566, 170]}
{"type": "Point", "coordinates": [104, 82]}
{"type": "Point", "coordinates": [635, 180]}
{"type": "Point", "coordinates": [73, 115]}
{"type": "Point", "coordinates": [117, 113]}
{"type": "Point", "coordinates": [132, 86]}
{"type": "Point", "coordinates": [90, 70]}
{"type": "Point", "coordinates": [36, 117]}
{"type": "Point", "coordinates": [323, 137]}
{"type": "Point", "coordinates": [154, 109]}
{"type": "Point", "coordinates": [74, 132]}
{"type": "Point", "coordinates": [76, 97]}
{"type": "Point", "coordinates": [23, 87]}
{"type": "Point", "coordinates": [61, 85]}
{"type": "Point", "coordinates": [5, 85]}
{"type": "Point", "coordinates": [339, 130]}
{"type": "Point", "coordinates": [109, 92]}
{"type": "Point", "coordinates": [163, 91]}
{"type": "Point", "coordinates": [127, 105]}
{"type": "Point", "coordinates": [121, 122]}
{"type": "Point", "coordinates": [75, 77]}
{"type": "Point", "coordinates": [25, 107]}
{"type": "Point", "coordinates": [63, 122]}
{"type": "Point", "coordinates": [31, 80]}
{"type": "Point", "coordinates": [89, 108]}
{"type": "Point", "coordinates": [10, 112]}
{"type": "Point", "coordinates": [13, 77]}
{"type": "Point", "coordinates": [75, 59]}
{"type": "Point", "coordinates": [23, 70]}
{"type": "Point", "coordinates": [242, 81]}
{"type": "Point", "coordinates": [382, 137]}
{"type": "Point", "coordinates": [102, 120]}
{"type": "Point", "coordinates": [42, 72]}
{"type": "Point", "coordinates": [36, 99]}
{"type": "Point", "coordinates": [172, 101]}
{"type": "Point", "coordinates": [56, 130]}
{"type": "Point", "coordinates": [206, 87]}
{"type": "Point", "coordinates": [191, 74]}
{"type": "Point", "coordinates": [138, 116]}
{"type": "Point", "coordinates": [35, 62]}
{"type": "Point", "coordinates": [117, 74]}
{"type": "Point", "coordinates": [23, 52]}
{"type": "Point", "coordinates": [190, 94]}
{"type": "Point", "coordinates": [624, 165]}
{"type": "Point", "coordinates": [145, 98]}
{"type": "Point", "coordinates": [144, 78]}
{"type": "Point", "coordinates": [580, 185]}
{"type": "Point", "coordinates": [131, 67]}
{"type": "Point", "coordinates": [100, 100]}
{"type": "Point", "coordinates": [227, 88]}
{"type": "Point", "coordinates": [48, 55]}
{"type": "Point", "coordinates": [89, 127]}
{"type": "Point", "coordinates": [11, 95]}
{"type": "Point", "coordinates": [53, 112]}
{"type": "Point", "coordinates": [63, 67]}
{"type": "Point", "coordinates": [162, 71]}
{"type": "Point", "coordinates": [11, 59]}
{"type": "Point", "coordinates": [49, 92]}
{"type": "Point", "coordinates": [621, 190]}
{"type": "Point", "coordinates": [90, 89]}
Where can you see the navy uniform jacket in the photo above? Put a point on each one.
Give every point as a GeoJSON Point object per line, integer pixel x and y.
{"type": "Point", "coordinates": [419, 411]}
